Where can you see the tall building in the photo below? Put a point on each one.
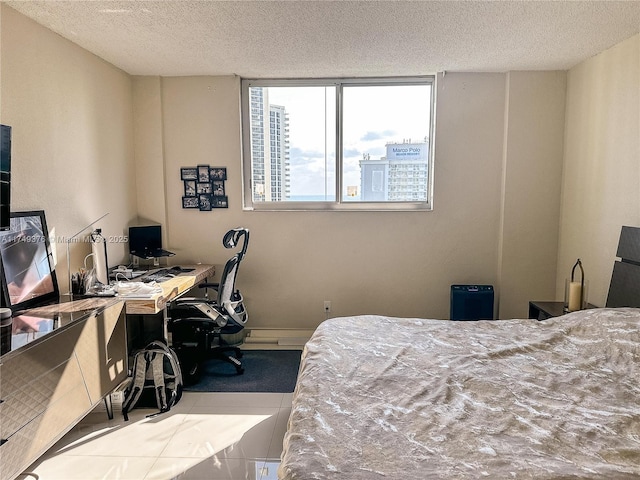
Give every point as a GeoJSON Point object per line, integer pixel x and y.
{"type": "Point", "coordinates": [270, 148]}
{"type": "Point", "coordinates": [400, 176]}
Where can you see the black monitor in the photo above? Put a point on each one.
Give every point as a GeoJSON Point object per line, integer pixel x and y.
{"type": "Point", "coordinates": [146, 242]}
{"type": "Point", "coordinates": [26, 263]}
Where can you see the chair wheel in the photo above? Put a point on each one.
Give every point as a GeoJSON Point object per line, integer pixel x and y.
{"type": "Point", "coordinates": [239, 354]}
{"type": "Point", "coordinates": [239, 370]}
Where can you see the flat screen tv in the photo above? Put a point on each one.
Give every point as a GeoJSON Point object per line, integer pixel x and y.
{"type": "Point", "coordinates": [5, 176]}
{"type": "Point", "coordinates": [26, 263]}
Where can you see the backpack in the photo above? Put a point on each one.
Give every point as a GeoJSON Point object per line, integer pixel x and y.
{"type": "Point", "coordinates": [156, 380]}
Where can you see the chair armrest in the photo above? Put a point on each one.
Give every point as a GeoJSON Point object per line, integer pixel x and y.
{"type": "Point", "coordinates": [209, 285]}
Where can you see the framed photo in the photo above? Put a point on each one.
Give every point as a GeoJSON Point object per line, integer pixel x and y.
{"type": "Point", "coordinates": [190, 202]}
{"type": "Point", "coordinates": [189, 188]}
{"type": "Point", "coordinates": [218, 188]}
{"type": "Point", "coordinates": [204, 202]}
{"type": "Point", "coordinates": [188, 173]}
{"type": "Point", "coordinates": [218, 173]}
{"type": "Point", "coordinates": [203, 174]}
{"type": "Point", "coordinates": [203, 188]}
{"type": "Point", "coordinates": [220, 202]}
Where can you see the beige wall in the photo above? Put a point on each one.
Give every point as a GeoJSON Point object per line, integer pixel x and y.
{"type": "Point", "coordinates": [79, 123]}
{"type": "Point", "coordinates": [72, 145]}
{"type": "Point", "coordinates": [532, 175]}
{"type": "Point", "coordinates": [601, 180]}
{"type": "Point", "coordinates": [392, 263]}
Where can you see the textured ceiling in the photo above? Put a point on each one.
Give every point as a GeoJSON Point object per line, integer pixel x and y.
{"type": "Point", "coordinates": [337, 38]}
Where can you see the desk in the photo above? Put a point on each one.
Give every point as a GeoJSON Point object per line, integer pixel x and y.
{"type": "Point", "coordinates": [146, 319]}
{"type": "Point", "coordinates": [65, 359]}
{"type": "Point", "coordinates": [170, 289]}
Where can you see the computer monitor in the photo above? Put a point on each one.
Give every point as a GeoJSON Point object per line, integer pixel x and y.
{"type": "Point", "coordinates": [146, 242]}
{"type": "Point", "coordinates": [26, 266]}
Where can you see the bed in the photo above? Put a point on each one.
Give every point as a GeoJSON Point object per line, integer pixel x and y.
{"type": "Point", "coordinates": [399, 398]}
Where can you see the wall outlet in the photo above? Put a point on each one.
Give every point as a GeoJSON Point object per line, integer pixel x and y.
{"type": "Point", "coordinates": [117, 397]}
{"type": "Point", "coordinates": [327, 306]}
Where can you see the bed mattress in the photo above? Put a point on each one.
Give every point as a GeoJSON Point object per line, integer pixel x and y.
{"type": "Point", "coordinates": [392, 398]}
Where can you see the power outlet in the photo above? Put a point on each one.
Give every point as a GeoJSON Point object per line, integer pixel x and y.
{"type": "Point", "coordinates": [327, 306]}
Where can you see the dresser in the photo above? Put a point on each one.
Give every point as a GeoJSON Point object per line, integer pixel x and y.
{"type": "Point", "coordinates": [64, 360]}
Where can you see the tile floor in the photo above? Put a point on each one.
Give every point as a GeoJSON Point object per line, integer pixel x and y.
{"type": "Point", "coordinates": [213, 436]}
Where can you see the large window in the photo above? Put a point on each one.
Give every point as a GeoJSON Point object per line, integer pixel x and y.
{"type": "Point", "coordinates": [338, 144]}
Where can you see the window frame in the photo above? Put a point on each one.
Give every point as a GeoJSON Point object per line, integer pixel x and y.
{"type": "Point", "coordinates": [338, 204]}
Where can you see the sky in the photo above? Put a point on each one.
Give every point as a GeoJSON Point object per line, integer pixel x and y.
{"type": "Point", "coordinates": [373, 116]}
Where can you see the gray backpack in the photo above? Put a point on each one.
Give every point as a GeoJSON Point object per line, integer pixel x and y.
{"type": "Point", "coordinates": [156, 380]}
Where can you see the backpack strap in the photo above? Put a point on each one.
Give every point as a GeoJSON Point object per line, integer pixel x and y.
{"type": "Point", "coordinates": [140, 371]}
{"type": "Point", "coordinates": [157, 369]}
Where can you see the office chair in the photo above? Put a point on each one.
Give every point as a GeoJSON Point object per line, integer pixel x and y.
{"type": "Point", "coordinates": [197, 324]}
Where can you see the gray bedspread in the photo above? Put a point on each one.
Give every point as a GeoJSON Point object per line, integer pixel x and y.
{"type": "Point", "coordinates": [392, 398]}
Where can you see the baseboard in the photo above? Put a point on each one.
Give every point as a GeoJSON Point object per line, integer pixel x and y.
{"type": "Point", "coordinates": [274, 339]}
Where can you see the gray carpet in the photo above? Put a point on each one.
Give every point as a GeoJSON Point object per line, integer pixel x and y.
{"type": "Point", "coordinates": [273, 371]}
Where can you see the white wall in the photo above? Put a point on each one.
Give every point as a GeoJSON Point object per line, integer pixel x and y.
{"type": "Point", "coordinates": [72, 144]}
{"type": "Point", "coordinates": [601, 179]}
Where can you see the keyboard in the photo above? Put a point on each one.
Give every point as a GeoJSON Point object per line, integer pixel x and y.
{"type": "Point", "coordinates": [164, 274]}
{"type": "Point", "coordinates": [158, 276]}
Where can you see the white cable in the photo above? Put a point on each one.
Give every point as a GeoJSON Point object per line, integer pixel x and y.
{"type": "Point", "coordinates": [84, 262]}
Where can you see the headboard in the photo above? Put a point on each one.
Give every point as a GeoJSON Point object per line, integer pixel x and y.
{"type": "Point", "coordinates": [624, 289]}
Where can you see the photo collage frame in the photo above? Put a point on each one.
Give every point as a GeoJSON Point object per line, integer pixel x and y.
{"type": "Point", "coordinates": [204, 187]}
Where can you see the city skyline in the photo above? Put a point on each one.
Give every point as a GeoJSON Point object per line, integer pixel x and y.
{"type": "Point", "coordinates": [369, 112]}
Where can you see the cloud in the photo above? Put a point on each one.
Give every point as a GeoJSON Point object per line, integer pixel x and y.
{"type": "Point", "coordinates": [352, 152]}
{"type": "Point", "coordinates": [371, 136]}
{"type": "Point", "coordinates": [298, 156]}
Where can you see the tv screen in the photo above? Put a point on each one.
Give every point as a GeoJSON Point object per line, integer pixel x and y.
{"type": "Point", "coordinates": [28, 275]}
{"type": "Point", "coordinates": [5, 176]}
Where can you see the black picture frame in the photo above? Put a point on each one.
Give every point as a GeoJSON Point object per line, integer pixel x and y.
{"type": "Point", "coordinates": [188, 173]}
{"type": "Point", "coordinates": [203, 174]}
{"type": "Point", "coordinates": [220, 202]}
{"type": "Point", "coordinates": [190, 202]}
{"type": "Point", "coordinates": [218, 188]}
{"type": "Point", "coordinates": [204, 202]}
{"type": "Point", "coordinates": [202, 188]}
{"type": "Point", "coordinates": [218, 173]}
{"type": "Point", "coordinates": [189, 188]}
{"type": "Point", "coordinates": [25, 248]}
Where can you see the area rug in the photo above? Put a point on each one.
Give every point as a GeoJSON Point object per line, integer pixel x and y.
{"type": "Point", "coordinates": [273, 371]}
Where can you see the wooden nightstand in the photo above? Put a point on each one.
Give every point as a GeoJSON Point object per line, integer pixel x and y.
{"type": "Point", "coordinates": [545, 310]}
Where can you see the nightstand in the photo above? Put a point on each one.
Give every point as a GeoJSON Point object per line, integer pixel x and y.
{"type": "Point", "coordinates": [545, 310]}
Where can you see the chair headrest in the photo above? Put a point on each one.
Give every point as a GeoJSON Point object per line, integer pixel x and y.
{"type": "Point", "coordinates": [233, 236]}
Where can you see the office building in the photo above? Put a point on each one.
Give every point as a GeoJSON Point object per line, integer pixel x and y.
{"type": "Point", "coordinates": [399, 176]}
{"type": "Point", "coordinates": [270, 154]}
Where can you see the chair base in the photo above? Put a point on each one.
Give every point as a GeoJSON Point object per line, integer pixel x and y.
{"type": "Point", "coordinates": [191, 360]}
{"type": "Point", "coordinates": [196, 342]}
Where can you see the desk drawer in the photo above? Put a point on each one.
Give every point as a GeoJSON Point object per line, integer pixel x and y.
{"type": "Point", "coordinates": [31, 381]}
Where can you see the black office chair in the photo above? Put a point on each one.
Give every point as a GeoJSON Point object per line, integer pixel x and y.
{"type": "Point", "coordinates": [197, 324]}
